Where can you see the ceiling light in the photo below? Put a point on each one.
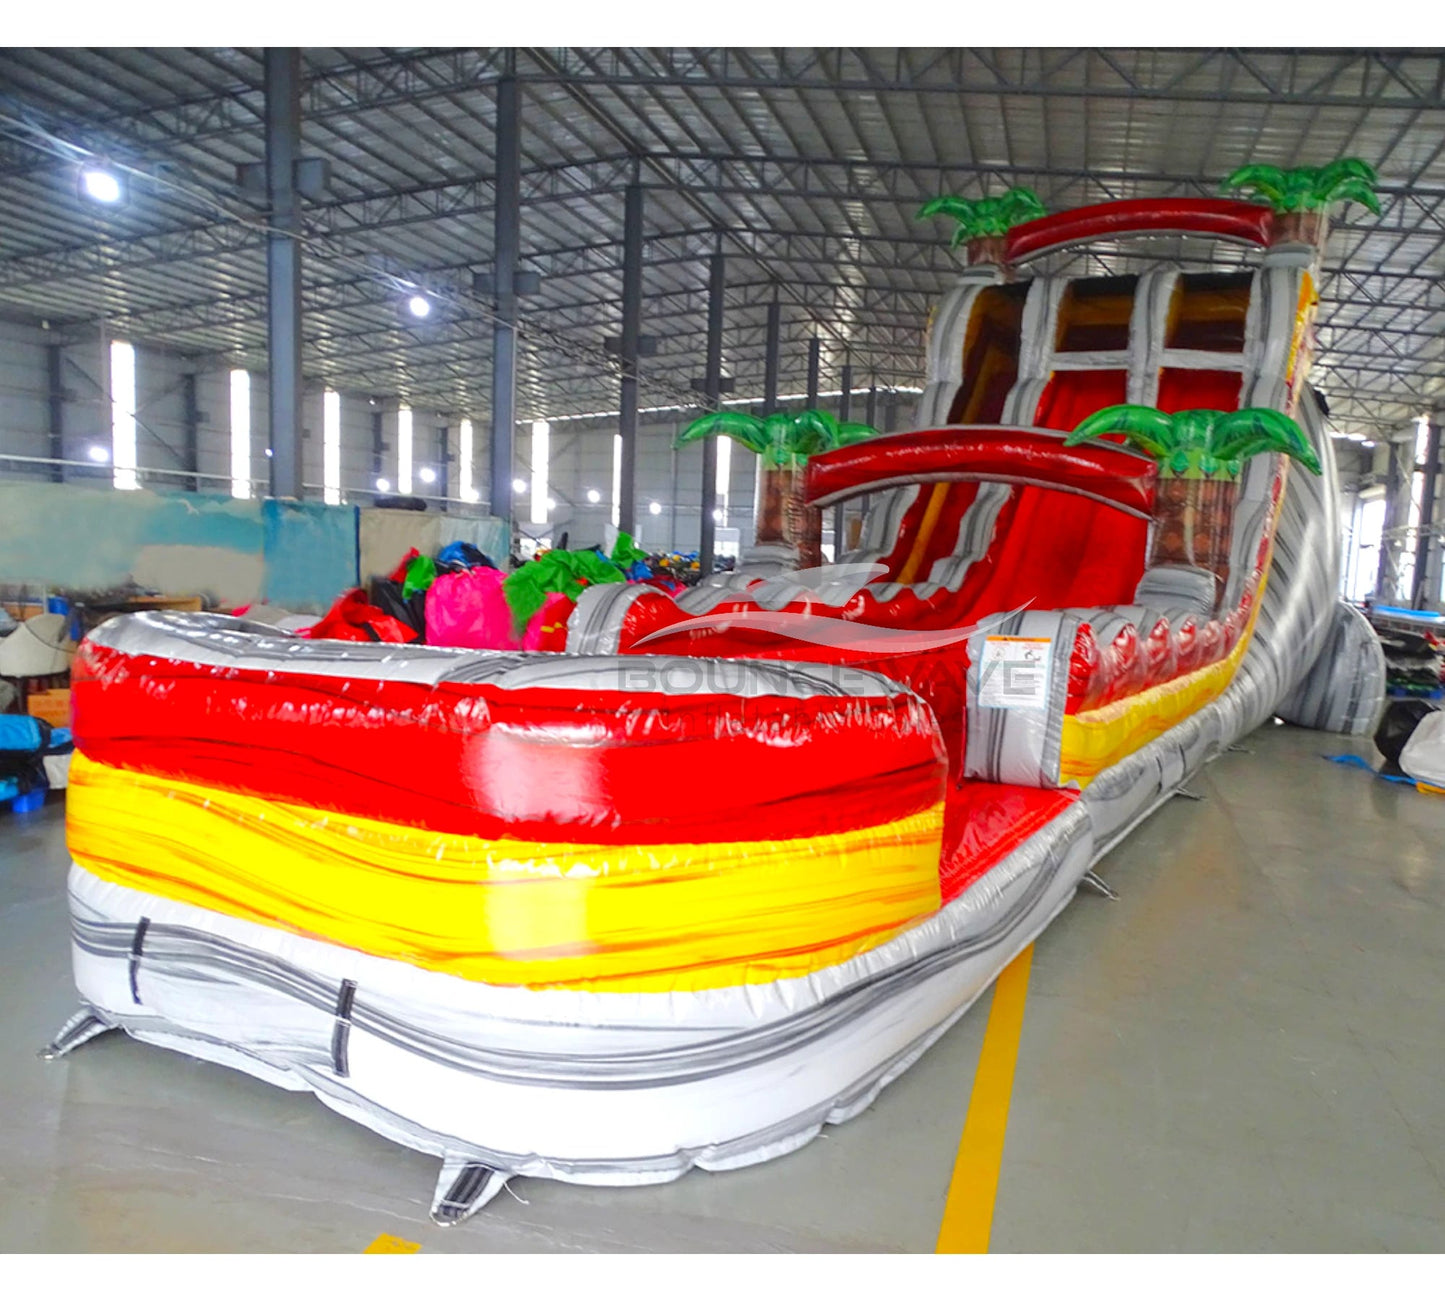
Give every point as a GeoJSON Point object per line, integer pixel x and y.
{"type": "Point", "coordinates": [101, 184]}
{"type": "Point", "coordinates": [98, 453]}
{"type": "Point", "coordinates": [269, 452]}
{"type": "Point", "coordinates": [426, 474]}
{"type": "Point", "coordinates": [551, 505]}
{"type": "Point", "coordinates": [1369, 442]}
{"type": "Point", "coordinates": [383, 485]}
{"type": "Point", "coordinates": [718, 516]}
{"type": "Point", "coordinates": [593, 496]}
{"type": "Point", "coordinates": [519, 485]}
{"type": "Point", "coordinates": [471, 494]}
{"type": "Point", "coordinates": [654, 508]}
{"type": "Point", "coordinates": [419, 305]}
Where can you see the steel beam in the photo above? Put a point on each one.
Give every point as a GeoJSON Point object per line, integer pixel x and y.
{"type": "Point", "coordinates": [506, 243]}
{"type": "Point", "coordinates": [712, 391]}
{"type": "Point", "coordinates": [283, 269]}
{"type": "Point", "coordinates": [631, 330]}
{"type": "Point", "coordinates": [1325, 79]}
{"type": "Point", "coordinates": [815, 358]}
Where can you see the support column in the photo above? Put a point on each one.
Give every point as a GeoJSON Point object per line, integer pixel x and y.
{"type": "Point", "coordinates": [771, 352]}
{"type": "Point", "coordinates": [631, 331]}
{"type": "Point", "coordinates": [1426, 587]}
{"type": "Point", "coordinates": [283, 269]}
{"type": "Point", "coordinates": [444, 459]}
{"type": "Point", "coordinates": [507, 227]}
{"type": "Point", "coordinates": [870, 418]}
{"type": "Point", "coordinates": [378, 446]}
{"type": "Point", "coordinates": [845, 412]}
{"type": "Point", "coordinates": [191, 428]}
{"type": "Point", "coordinates": [712, 391]}
{"type": "Point", "coordinates": [815, 352]}
{"type": "Point", "coordinates": [1397, 518]}
{"type": "Point", "coordinates": [55, 371]}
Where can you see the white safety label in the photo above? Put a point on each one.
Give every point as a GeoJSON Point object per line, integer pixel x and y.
{"type": "Point", "coordinates": [1014, 673]}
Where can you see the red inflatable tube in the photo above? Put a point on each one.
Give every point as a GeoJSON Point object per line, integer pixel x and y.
{"type": "Point", "coordinates": [1159, 657]}
{"type": "Point", "coordinates": [1187, 645]}
{"type": "Point", "coordinates": [997, 453]}
{"type": "Point", "coordinates": [535, 764]}
{"type": "Point", "coordinates": [1248, 223]}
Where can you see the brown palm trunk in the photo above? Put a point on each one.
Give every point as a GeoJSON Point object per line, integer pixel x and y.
{"type": "Point", "coordinates": [1298, 228]}
{"type": "Point", "coordinates": [1194, 525]}
{"type": "Point", "coordinates": [987, 249]}
{"type": "Point", "coordinates": [784, 518]}
{"type": "Point", "coordinates": [770, 505]}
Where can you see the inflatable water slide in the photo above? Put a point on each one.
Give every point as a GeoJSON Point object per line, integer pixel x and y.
{"type": "Point", "coordinates": [450, 892]}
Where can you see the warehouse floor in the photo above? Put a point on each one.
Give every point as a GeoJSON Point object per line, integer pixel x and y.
{"type": "Point", "coordinates": [1243, 1053]}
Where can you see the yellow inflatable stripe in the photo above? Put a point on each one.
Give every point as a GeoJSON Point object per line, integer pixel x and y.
{"type": "Point", "coordinates": [614, 917]}
{"type": "Point", "coordinates": [1097, 738]}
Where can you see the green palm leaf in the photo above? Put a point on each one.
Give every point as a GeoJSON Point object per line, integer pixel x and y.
{"type": "Point", "coordinates": [1146, 428]}
{"type": "Point", "coordinates": [850, 432]}
{"type": "Point", "coordinates": [1353, 187]}
{"type": "Point", "coordinates": [812, 432]}
{"type": "Point", "coordinates": [737, 425]}
{"type": "Point", "coordinates": [947, 205]}
{"type": "Point", "coordinates": [1242, 434]}
{"type": "Point", "coordinates": [989, 216]}
{"type": "Point", "coordinates": [1342, 169]}
{"type": "Point", "coordinates": [1268, 182]}
{"type": "Point", "coordinates": [1309, 189]}
{"type": "Point", "coordinates": [1021, 204]}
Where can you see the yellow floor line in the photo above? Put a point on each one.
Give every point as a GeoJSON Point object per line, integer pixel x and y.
{"type": "Point", "coordinates": [386, 1245]}
{"type": "Point", "coordinates": [968, 1212]}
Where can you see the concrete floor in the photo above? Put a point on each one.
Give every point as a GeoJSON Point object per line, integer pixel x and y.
{"type": "Point", "coordinates": [1245, 1053]}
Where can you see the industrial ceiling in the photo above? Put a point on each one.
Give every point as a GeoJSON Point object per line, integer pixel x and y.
{"type": "Point", "coordinates": [806, 165]}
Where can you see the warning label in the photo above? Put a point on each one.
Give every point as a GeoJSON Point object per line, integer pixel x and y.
{"type": "Point", "coordinates": [1014, 673]}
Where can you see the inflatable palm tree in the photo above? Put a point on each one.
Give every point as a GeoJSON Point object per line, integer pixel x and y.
{"type": "Point", "coordinates": [1301, 196]}
{"type": "Point", "coordinates": [1200, 455]}
{"type": "Point", "coordinates": [985, 222]}
{"type": "Point", "coordinates": [783, 441]}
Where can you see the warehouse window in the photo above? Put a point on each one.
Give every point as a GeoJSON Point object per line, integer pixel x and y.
{"type": "Point", "coordinates": [541, 431]}
{"type": "Point", "coordinates": [464, 454]}
{"type": "Point", "coordinates": [1367, 531]}
{"type": "Point", "coordinates": [616, 480]}
{"type": "Point", "coordinates": [331, 447]}
{"type": "Point", "coordinates": [403, 449]}
{"type": "Point", "coordinates": [122, 415]}
{"type": "Point", "coordinates": [240, 433]}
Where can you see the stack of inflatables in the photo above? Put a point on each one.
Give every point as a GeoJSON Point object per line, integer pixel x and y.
{"type": "Point", "coordinates": [1414, 646]}
{"type": "Point", "coordinates": [462, 598]}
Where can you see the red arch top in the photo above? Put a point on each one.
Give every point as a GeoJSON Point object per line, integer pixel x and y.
{"type": "Point", "coordinates": [1249, 223]}
{"type": "Point", "coordinates": [1113, 476]}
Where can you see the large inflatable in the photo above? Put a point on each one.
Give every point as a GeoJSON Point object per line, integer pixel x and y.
{"type": "Point", "coordinates": [457, 894]}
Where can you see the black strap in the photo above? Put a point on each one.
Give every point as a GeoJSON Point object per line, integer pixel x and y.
{"type": "Point", "coordinates": [137, 944]}
{"type": "Point", "coordinates": [341, 1035]}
